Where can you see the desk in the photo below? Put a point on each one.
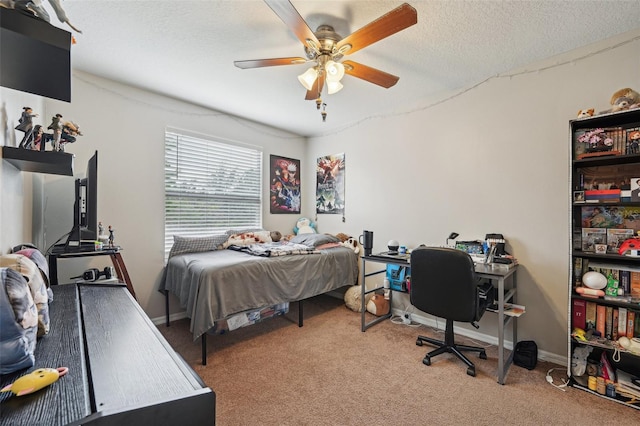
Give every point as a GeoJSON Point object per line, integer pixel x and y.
{"type": "Point", "coordinates": [498, 274]}
{"type": "Point", "coordinates": [113, 253]}
{"type": "Point", "coordinates": [121, 369]}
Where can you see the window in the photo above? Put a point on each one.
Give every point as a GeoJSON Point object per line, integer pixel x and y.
{"type": "Point", "coordinates": [210, 186]}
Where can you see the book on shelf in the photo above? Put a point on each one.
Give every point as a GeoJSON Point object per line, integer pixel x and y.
{"type": "Point", "coordinates": [601, 315]}
{"type": "Point", "coordinates": [614, 324]}
{"type": "Point", "coordinates": [631, 323]}
{"type": "Point", "coordinates": [608, 323]}
{"type": "Point", "coordinates": [579, 313]}
{"type": "Point", "coordinates": [590, 316]}
{"type": "Point", "coordinates": [625, 281]}
{"type": "Point", "coordinates": [622, 322]}
{"type": "Point", "coordinates": [634, 284]}
{"type": "Point", "coordinates": [627, 384]}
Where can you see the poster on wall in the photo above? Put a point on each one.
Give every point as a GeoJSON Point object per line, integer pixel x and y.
{"type": "Point", "coordinates": [285, 185]}
{"type": "Point", "coordinates": [330, 184]}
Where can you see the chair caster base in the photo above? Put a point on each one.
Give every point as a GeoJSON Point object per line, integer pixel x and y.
{"type": "Point", "coordinates": [471, 371]}
{"type": "Point", "coordinates": [482, 355]}
{"type": "Point", "coordinates": [427, 360]}
{"type": "Point", "coordinates": [418, 342]}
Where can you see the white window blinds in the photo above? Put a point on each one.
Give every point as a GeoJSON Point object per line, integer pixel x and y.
{"type": "Point", "coordinates": [210, 186]}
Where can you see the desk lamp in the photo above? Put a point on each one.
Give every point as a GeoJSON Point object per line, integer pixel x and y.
{"type": "Point", "coordinates": [452, 236]}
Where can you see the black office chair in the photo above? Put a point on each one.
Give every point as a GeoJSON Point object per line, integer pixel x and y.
{"type": "Point", "coordinates": [444, 284]}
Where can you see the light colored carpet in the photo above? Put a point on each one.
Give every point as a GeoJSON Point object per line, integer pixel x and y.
{"type": "Point", "coordinates": [330, 373]}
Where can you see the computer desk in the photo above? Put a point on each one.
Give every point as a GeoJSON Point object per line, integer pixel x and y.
{"type": "Point", "coordinates": [498, 274]}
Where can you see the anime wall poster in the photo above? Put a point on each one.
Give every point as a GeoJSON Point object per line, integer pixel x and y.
{"type": "Point", "coordinates": [330, 184]}
{"type": "Point", "coordinates": [285, 185]}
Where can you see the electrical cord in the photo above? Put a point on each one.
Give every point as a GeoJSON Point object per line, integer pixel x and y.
{"type": "Point", "coordinates": [564, 384]}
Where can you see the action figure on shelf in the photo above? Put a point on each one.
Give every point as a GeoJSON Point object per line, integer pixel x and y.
{"type": "Point", "coordinates": [111, 237]}
{"type": "Point", "coordinates": [69, 132]}
{"type": "Point", "coordinates": [56, 125]}
{"type": "Point", "coordinates": [39, 139]}
{"type": "Point", "coordinates": [26, 125]}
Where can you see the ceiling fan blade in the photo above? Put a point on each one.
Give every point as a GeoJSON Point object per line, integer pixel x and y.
{"type": "Point", "coordinates": [292, 19]}
{"type": "Point", "coordinates": [388, 24]}
{"type": "Point", "coordinates": [316, 90]}
{"type": "Point", "coordinates": [257, 63]}
{"type": "Point", "coordinates": [369, 74]}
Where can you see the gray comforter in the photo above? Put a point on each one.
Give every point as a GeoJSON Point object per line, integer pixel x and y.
{"type": "Point", "coordinates": [213, 285]}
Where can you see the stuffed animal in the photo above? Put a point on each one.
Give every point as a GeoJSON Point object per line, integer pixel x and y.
{"type": "Point", "coordinates": [586, 113]}
{"type": "Point", "coordinates": [352, 243]}
{"type": "Point", "coordinates": [625, 99]}
{"type": "Point", "coordinates": [579, 360]}
{"type": "Point", "coordinates": [352, 298]}
{"type": "Point", "coordinates": [275, 236]}
{"type": "Point", "coordinates": [304, 226]}
{"type": "Point", "coordinates": [378, 305]}
{"type": "Point", "coordinates": [342, 237]}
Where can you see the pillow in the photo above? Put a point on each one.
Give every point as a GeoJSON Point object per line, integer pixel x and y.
{"type": "Point", "coordinates": [196, 244]}
{"type": "Point", "coordinates": [247, 238]}
{"type": "Point", "coordinates": [25, 267]}
{"type": "Point", "coordinates": [18, 321]}
{"type": "Point", "coordinates": [314, 240]}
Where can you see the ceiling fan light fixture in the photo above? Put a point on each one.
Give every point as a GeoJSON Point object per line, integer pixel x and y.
{"type": "Point", "coordinates": [335, 71]}
{"type": "Point", "coordinates": [333, 87]}
{"type": "Point", "coordinates": [308, 78]}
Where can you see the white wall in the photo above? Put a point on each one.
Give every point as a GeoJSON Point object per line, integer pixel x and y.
{"type": "Point", "coordinates": [492, 160]}
{"type": "Point", "coordinates": [15, 186]}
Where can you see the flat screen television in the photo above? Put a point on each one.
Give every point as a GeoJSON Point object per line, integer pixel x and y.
{"type": "Point", "coordinates": [85, 210]}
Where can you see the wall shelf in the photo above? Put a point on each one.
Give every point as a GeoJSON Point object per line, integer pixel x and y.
{"type": "Point", "coordinates": [57, 163]}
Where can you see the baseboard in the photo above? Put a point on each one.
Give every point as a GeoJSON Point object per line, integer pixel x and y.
{"type": "Point", "coordinates": [173, 317]}
{"type": "Point", "coordinates": [475, 335]}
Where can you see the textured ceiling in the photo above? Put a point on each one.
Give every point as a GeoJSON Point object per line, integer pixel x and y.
{"type": "Point", "coordinates": [186, 49]}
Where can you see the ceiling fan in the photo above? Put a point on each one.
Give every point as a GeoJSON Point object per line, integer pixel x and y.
{"type": "Point", "coordinates": [325, 48]}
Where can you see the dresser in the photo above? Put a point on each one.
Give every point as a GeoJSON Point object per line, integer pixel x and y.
{"type": "Point", "coordinates": [121, 369]}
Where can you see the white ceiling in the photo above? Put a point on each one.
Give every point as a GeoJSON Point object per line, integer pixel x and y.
{"type": "Point", "coordinates": [186, 49]}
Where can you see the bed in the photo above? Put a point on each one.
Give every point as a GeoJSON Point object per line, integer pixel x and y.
{"type": "Point", "coordinates": [254, 280]}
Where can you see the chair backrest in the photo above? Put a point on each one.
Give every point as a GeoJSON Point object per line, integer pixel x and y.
{"type": "Point", "coordinates": [444, 284]}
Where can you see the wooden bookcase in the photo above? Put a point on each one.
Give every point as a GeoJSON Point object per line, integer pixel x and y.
{"type": "Point", "coordinates": [605, 165]}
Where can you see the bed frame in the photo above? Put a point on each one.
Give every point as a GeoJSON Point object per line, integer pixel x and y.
{"type": "Point", "coordinates": [203, 337]}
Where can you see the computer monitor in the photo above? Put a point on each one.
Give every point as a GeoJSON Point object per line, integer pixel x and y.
{"type": "Point", "coordinates": [85, 209]}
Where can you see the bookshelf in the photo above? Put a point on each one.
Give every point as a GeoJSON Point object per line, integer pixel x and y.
{"type": "Point", "coordinates": [604, 212]}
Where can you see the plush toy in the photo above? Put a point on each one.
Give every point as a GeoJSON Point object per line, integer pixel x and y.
{"type": "Point", "coordinates": [352, 298]}
{"type": "Point", "coordinates": [304, 226]}
{"type": "Point", "coordinates": [586, 113]}
{"type": "Point", "coordinates": [275, 236]}
{"type": "Point", "coordinates": [378, 305]}
{"type": "Point", "coordinates": [352, 243]}
{"type": "Point", "coordinates": [342, 237]}
{"type": "Point", "coordinates": [625, 99]}
{"type": "Point", "coordinates": [579, 360]}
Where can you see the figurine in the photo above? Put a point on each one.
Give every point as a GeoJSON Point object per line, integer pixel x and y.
{"type": "Point", "coordinates": [56, 125]}
{"type": "Point", "coordinates": [35, 380]}
{"type": "Point", "coordinates": [110, 236]}
{"type": "Point", "coordinates": [26, 125]}
{"type": "Point", "coordinates": [69, 132]}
